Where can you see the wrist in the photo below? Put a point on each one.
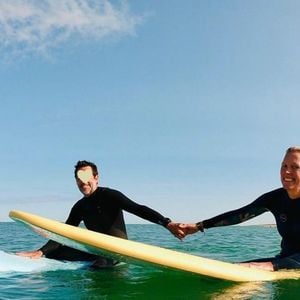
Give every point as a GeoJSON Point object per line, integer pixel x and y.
{"type": "Point", "coordinates": [167, 222]}
{"type": "Point", "coordinates": [200, 226]}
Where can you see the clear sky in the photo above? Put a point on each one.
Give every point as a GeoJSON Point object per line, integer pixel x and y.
{"type": "Point", "coordinates": [185, 106]}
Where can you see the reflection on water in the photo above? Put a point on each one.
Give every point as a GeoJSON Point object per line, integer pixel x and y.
{"type": "Point", "coordinates": [243, 291]}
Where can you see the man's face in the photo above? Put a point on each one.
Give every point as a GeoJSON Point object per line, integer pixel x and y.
{"type": "Point", "coordinates": [86, 181]}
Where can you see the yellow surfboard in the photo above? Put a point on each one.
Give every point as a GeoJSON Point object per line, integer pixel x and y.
{"type": "Point", "coordinates": [98, 243]}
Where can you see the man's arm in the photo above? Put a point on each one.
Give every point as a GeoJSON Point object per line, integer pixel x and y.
{"type": "Point", "coordinates": [147, 213]}
{"type": "Point", "coordinates": [50, 246]}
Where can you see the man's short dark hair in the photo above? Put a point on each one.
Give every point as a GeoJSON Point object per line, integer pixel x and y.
{"type": "Point", "coordinates": [84, 163]}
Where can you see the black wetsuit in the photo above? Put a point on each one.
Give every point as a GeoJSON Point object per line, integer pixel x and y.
{"type": "Point", "coordinates": [101, 212]}
{"type": "Point", "coordinates": [287, 215]}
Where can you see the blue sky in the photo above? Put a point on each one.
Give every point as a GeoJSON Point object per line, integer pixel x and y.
{"type": "Point", "coordinates": [186, 107]}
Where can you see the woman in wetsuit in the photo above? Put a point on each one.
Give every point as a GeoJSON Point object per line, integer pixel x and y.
{"type": "Point", "coordinates": [101, 210]}
{"type": "Point", "coordinates": [283, 203]}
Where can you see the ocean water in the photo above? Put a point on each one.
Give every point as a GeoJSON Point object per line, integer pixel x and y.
{"type": "Point", "coordinates": [48, 279]}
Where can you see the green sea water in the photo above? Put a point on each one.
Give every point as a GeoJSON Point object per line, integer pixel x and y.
{"type": "Point", "coordinates": [132, 281]}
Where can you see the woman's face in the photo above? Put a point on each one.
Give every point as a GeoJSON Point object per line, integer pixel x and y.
{"type": "Point", "coordinates": [290, 174]}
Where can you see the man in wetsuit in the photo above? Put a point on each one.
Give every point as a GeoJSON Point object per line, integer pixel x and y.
{"type": "Point", "coordinates": [101, 210]}
{"type": "Point", "coordinates": [283, 203]}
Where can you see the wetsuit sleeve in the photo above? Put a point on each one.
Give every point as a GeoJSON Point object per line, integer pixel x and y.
{"type": "Point", "coordinates": [141, 211]}
{"type": "Point", "coordinates": [75, 216]}
{"type": "Point", "coordinates": [49, 247]}
{"type": "Point", "coordinates": [237, 216]}
{"type": "Point", "coordinates": [73, 219]}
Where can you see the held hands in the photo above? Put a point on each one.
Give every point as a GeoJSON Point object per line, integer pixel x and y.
{"type": "Point", "coordinates": [181, 230]}
{"type": "Point", "coordinates": [31, 254]}
{"type": "Point", "coordinates": [175, 229]}
{"type": "Point", "coordinates": [192, 228]}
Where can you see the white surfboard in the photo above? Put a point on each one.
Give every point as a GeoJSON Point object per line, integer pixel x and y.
{"type": "Point", "coordinates": [98, 243]}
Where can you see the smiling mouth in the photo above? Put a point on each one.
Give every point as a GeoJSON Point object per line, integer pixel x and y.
{"type": "Point", "coordinates": [288, 180]}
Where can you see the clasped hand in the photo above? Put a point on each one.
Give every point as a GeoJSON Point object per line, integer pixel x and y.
{"type": "Point", "coordinates": [181, 230]}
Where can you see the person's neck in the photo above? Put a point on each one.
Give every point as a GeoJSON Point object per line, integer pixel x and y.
{"type": "Point", "coordinates": [91, 194]}
{"type": "Point", "coordinates": [294, 195]}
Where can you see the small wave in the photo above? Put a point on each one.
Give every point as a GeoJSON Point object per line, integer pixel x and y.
{"type": "Point", "coordinates": [14, 263]}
